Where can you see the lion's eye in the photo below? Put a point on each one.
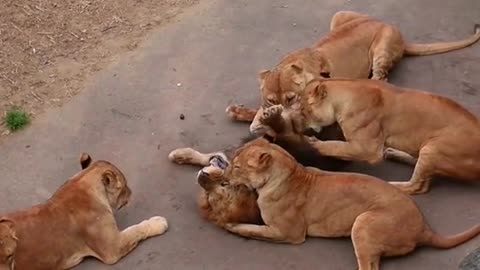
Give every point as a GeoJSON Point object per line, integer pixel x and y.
{"type": "Point", "coordinates": [271, 101]}
{"type": "Point", "coordinates": [224, 184]}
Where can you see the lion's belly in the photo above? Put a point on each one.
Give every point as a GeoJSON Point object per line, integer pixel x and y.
{"type": "Point", "coordinates": [330, 228]}
{"type": "Point", "coordinates": [334, 221]}
{"type": "Point", "coordinates": [355, 66]}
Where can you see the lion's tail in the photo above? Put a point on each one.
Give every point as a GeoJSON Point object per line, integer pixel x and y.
{"type": "Point", "coordinates": [441, 47]}
{"type": "Point", "coordinates": [435, 240]}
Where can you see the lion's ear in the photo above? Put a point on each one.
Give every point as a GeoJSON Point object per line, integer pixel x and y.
{"type": "Point", "coordinates": [264, 159]}
{"type": "Point", "coordinates": [297, 67]}
{"type": "Point", "coordinates": [85, 160]}
{"type": "Point", "coordinates": [8, 226]}
{"type": "Point", "coordinates": [263, 74]}
{"type": "Point", "coordinates": [320, 91]}
{"type": "Point", "coordinates": [110, 180]}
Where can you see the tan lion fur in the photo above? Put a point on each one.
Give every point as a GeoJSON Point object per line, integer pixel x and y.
{"type": "Point", "coordinates": [297, 201]}
{"type": "Point", "coordinates": [357, 47]}
{"type": "Point", "coordinates": [76, 222]}
{"type": "Point", "coordinates": [374, 115]}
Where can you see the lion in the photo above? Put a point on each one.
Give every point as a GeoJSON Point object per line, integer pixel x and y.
{"type": "Point", "coordinates": [357, 47]}
{"type": "Point", "coordinates": [221, 203]}
{"type": "Point", "coordinates": [440, 136]}
{"type": "Point", "coordinates": [76, 222]}
{"type": "Point", "coordinates": [297, 201]}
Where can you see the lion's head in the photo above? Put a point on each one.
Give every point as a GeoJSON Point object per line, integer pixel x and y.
{"type": "Point", "coordinates": [116, 188]}
{"type": "Point", "coordinates": [284, 84]}
{"type": "Point", "coordinates": [222, 203]}
{"type": "Point", "coordinates": [8, 244]}
{"type": "Point", "coordinates": [259, 162]}
{"type": "Point", "coordinates": [317, 109]}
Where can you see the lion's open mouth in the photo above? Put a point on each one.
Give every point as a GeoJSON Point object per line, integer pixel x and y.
{"type": "Point", "coordinates": [219, 161]}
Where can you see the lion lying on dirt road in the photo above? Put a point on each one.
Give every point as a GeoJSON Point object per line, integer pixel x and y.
{"type": "Point", "coordinates": [357, 47]}
{"type": "Point", "coordinates": [76, 222]}
{"type": "Point", "coordinates": [296, 202]}
{"type": "Point", "coordinates": [373, 115]}
{"type": "Point", "coordinates": [221, 203]}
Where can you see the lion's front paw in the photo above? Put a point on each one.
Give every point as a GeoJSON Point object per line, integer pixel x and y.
{"type": "Point", "coordinates": [182, 155]}
{"type": "Point", "coordinates": [271, 113]}
{"type": "Point", "coordinates": [234, 110]}
{"type": "Point", "coordinates": [239, 112]}
{"type": "Point", "coordinates": [157, 225]}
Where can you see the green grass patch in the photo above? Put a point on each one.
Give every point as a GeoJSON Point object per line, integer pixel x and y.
{"type": "Point", "coordinates": [16, 119]}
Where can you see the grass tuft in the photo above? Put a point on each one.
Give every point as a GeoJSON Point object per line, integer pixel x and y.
{"type": "Point", "coordinates": [16, 119]}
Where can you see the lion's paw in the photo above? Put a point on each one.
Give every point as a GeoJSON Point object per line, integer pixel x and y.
{"type": "Point", "coordinates": [182, 155]}
{"type": "Point", "coordinates": [157, 225]}
{"type": "Point", "coordinates": [235, 111]}
{"type": "Point", "coordinates": [271, 113]}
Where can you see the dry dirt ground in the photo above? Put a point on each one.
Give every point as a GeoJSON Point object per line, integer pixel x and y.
{"type": "Point", "coordinates": [49, 47]}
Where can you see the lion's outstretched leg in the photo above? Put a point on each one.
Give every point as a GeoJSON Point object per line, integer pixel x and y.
{"type": "Point", "coordinates": [192, 156]}
{"type": "Point", "coordinates": [349, 150]}
{"type": "Point", "coordinates": [261, 232]}
{"type": "Point", "coordinates": [238, 112]}
{"type": "Point", "coordinates": [111, 247]}
{"type": "Point", "coordinates": [386, 50]}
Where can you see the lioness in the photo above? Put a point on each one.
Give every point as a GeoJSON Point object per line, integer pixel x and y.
{"type": "Point", "coordinates": [296, 202]}
{"type": "Point", "coordinates": [373, 115]}
{"type": "Point", "coordinates": [76, 222]}
{"type": "Point", "coordinates": [357, 47]}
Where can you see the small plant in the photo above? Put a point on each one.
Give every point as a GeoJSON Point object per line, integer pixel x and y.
{"type": "Point", "coordinates": [16, 119]}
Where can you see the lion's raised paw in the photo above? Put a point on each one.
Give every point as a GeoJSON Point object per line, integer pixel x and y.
{"type": "Point", "coordinates": [271, 113]}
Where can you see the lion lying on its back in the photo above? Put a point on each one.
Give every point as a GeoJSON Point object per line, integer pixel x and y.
{"type": "Point", "coordinates": [221, 203]}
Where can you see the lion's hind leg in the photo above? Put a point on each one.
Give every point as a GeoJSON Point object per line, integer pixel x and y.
{"type": "Point", "coordinates": [386, 50]}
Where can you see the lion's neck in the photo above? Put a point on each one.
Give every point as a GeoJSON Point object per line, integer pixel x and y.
{"type": "Point", "coordinates": [322, 62]}
{"type": "Point", "coordinates": [284, 182]}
